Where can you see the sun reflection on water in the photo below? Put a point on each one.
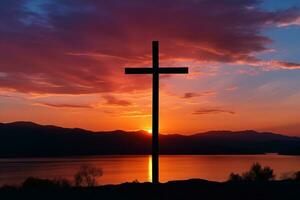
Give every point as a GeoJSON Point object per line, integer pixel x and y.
{"type": "Point", "coordinates": [149, 168]}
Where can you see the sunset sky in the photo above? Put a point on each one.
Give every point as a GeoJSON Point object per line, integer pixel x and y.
{"type": "Point", "coordinates": [62, 63]}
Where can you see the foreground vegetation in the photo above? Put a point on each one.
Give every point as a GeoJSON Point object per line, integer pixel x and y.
{"type": "Point", "coordinates": [259, 173]}
{"type": "Point", "coordinates": [189, 189]}
{"type": "Point", "coordinates": [256, 183]}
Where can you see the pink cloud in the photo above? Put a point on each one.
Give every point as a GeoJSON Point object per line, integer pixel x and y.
{"type": "Point", "coordinates": [232, 88]}
{"type": "Point", "coordinates": [295, 22]}
{"type": "Point", "coordinates": [284, 65]}
{"type": "Point", "coordinates": [111, 100]}
{"type": "Point", "coordinates": [81, 47]}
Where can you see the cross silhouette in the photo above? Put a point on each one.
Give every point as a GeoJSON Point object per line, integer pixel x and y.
{"type": "Point", "coordinates": [155, 70]}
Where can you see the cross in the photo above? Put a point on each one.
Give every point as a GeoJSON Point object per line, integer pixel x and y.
{"type": "Point", "coordinates": [155, 70]}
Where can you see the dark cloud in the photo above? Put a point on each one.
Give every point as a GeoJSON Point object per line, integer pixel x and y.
{"type": "Point", "coordinates": [189, 95]}
{"type": "Point", "coordinates": [77, 46]}
{"type": "Point", "coordinates": [111, 100]}
{"type": "Point", "coordinates": [212, 111]}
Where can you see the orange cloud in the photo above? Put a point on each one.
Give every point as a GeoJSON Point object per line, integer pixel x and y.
{"type": "Point", "coordinates": [64, 105]}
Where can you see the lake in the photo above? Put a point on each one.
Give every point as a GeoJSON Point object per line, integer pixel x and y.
{"type": "Point", "coordinates": [119, 169]}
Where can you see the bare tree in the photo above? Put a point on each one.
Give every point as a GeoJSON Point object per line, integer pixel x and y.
{"type": "Point", "coordinates": [87, 176]}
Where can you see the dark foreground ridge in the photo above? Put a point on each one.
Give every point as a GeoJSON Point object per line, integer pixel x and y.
{"type": "Point", "coordinates": [188, 189]}
{"type": "Point", "coordinates": [27, 139]}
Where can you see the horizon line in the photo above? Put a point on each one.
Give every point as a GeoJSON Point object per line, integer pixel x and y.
{"type": "Point", "coordinates": [139, 130]}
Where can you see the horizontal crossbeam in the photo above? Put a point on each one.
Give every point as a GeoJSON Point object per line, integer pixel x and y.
{"type": "Point", "coordinates": [173, 70]}
{"type": "Point", "coordinates": [161, 70]}
{"type": "Point", "coordinates": [145, 70]}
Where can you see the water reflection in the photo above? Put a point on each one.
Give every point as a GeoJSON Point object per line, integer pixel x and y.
{"type": "Point", "coordinates": [119, 169]}
{"type": "Point", "coordinates": [149, 168]}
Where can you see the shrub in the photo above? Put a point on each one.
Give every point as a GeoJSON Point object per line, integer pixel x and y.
{"type": "Point", "coordinates": [291, 176]}
{"type": "Point", "coordinates": [235, 177]}
{"type": "Point", "coordinates": [135, 181]}
{"type": "Point", "coordinates": [87, 176]}
{"type": "Point", "coordinates": [297, 176]}
{"type": "Point", "coordinates": [259, 173]}
{"type": "Point", "coordinates": [255, 173]}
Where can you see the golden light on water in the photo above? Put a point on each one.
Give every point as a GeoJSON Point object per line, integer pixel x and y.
{"type": "Point", "coordinates": [149, 168]}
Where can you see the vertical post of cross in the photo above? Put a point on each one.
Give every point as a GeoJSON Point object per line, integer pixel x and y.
{"type": "Point", "coordinates": [155, 70]}
{"type": "Point", "coordinates": [155, 111]}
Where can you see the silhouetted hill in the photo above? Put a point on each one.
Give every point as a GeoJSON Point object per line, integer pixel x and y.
{"type": "Point", "coordinates": [19, 139]}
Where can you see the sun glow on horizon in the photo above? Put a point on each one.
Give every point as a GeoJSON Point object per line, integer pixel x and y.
{"type": "Point", "coordinates": [149, 131]}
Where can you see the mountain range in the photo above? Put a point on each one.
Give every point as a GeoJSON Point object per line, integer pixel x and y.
{"type": "Point", "coordinates": [27, 139]}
